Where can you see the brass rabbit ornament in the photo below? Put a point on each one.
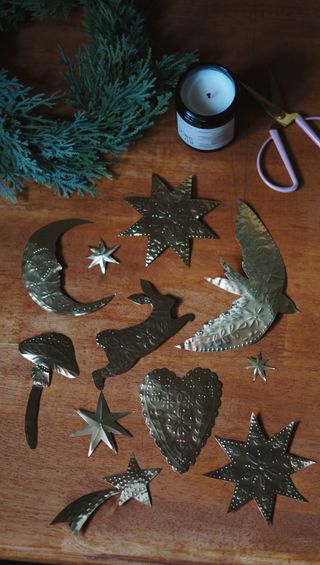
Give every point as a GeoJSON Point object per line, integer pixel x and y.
{"type": "Point", "coordinates": [125, 347]}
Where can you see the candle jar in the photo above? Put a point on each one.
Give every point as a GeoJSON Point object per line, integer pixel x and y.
{"type": "Point", "coordinates": [206, 100]}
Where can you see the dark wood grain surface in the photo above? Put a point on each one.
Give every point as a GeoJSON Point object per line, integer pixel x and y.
{"type": "Point", "coordinates": [188, 522]}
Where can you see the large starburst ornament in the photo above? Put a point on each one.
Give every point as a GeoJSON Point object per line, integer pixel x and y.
{"type": "Point", "coordinates": [259, 366]}
{"type": "Point", "coordinates": [102, 255]}
{"type": "Point", "coordinates": [260, 468]}
{"type": "Point", "coordinates": [170, 218]}
{"type": "Point", "coordinates": [102, 424]}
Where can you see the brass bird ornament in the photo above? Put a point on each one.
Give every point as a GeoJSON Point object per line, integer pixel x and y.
{"type": "Point", "coordinates": [261, 291]}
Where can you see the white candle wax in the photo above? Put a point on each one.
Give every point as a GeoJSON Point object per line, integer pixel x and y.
{"type": "Point", "coordinates": [208, 91]}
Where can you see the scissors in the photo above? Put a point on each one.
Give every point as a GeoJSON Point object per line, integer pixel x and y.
{"type": "Point", "coordinates": [274, 109]}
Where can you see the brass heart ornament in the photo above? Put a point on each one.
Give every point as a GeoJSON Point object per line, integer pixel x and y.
{"type": "Point", "coordinates": [180, 412]}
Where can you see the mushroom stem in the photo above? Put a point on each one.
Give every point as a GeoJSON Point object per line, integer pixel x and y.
{"type": "Point", "coordinates": [31, 417]}
{"type": "Point", "coordinates": [40, 379]}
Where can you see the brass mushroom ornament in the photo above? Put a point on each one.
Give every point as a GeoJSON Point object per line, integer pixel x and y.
{"type": "Point", "coordinates": [48, 352]}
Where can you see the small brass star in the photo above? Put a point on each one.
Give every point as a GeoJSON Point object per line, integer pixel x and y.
{"type": "Point", "coordinates": [133, 483]}
{"type": "Point", "coordinates": [259, 366]}
{"type": "Point", "coordinates": [260, 468]}
{"type": "Point", "coordinates": [102, 425]}
{"type": "Point", "coordinates": [102, 255]}
{"type": "Point", "coordinates": [170, 218]}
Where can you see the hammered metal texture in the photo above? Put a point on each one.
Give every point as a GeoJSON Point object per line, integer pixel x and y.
{"type": "Point", "coordinates": [79, 511]}
{"type": "Point", "coordinates": [133, 483]}
{"type": "Point", "coordinates": [125, 347]}
{"type": "Point", "coordinates": [51, 351]}
{"type": "Point", "coordinates": [41, 272]}
{"type": "Point", "coordinates": [260, 468]}
{"type": "Point", "coordinates": [171, 219]}
{"type": "Point", "coordinates": [180, 413]}
{"type": "Point", "coordinates": [261, 291]}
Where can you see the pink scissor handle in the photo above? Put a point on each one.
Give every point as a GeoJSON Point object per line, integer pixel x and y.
{"type": "Point", "coordinates": [275, 136]}
{"type": "Point", "coordinates": [302, 123]}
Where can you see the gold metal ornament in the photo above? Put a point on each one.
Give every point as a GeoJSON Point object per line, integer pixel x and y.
{"type": "Point", "coordinates": [102, 255]}
{"type": "Point", "coordinates": [180, 413]}
{"type": "Point", "coordinates": [41, 272]}
{"type": "Point", "coordinates": [260, 468]}
{"type": "Point", "coordinates": [49, 352]}
{"type": "Point", "coordinates": [259, 367]}
{"type": "Point", "coordinates": [126, 346]}
{"type": "Point", "coordinates": [261, 291]}
{"type": "Point", "coordinates": [132, 484]}
{"type": "Point", "coordinates": [102, 425]}
{"type": "Point", "coordinates": [170, 218]}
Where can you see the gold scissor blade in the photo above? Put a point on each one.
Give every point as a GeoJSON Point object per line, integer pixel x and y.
{"type": "Point", "coordinates": [274, 111]}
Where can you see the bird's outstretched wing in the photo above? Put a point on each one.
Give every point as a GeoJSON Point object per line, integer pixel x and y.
{"type": "Point", "coordinates": [262, 261]}
{"type": "Point", "coordinates": [245, 322]}
{"type": "Point", "coordinates": [80, 510]}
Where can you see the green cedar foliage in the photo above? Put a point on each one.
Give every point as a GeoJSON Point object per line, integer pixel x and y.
{"type": "Point", "coordinates": [114, 85]}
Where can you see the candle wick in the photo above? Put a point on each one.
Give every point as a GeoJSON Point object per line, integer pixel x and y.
{"type": "Point", "coordinates": [209, 94]}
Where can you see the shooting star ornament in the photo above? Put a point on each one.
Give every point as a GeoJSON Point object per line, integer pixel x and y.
{"type": "Point", "coordinates": [180, 413]}
{"type": "Point", "coordinates": [261, 291]}
{"type": "Point", "coordinates": [132, 484]}
{"type": "Point", "coordinates": [49, 352]}
{"type": "Point", "coordinates": [126, 346]}
{"type": "Point", "coordinates": [102, 255]}
{"type": "Point", "coordinates": [259, 367]}
{"type": "Point", "coordinates": [260, 468]}
{"type": "Point", "coordinates": [102, 425]}
{"type": "Point", "coordinates": [41, 272]}
{"type": "Point", "coordinates": [170, 218]}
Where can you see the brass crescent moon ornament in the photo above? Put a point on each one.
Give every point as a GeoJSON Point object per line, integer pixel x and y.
{"type": "Point", "coordinates": [41, 272]}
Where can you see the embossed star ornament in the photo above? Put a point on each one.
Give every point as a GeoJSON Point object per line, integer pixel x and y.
{"type": "Point", "coordinates": [132, 484]}
{"type": "Point", "coordinates": [170, 218]}
{"type": "Point", "coordinates": [102, 424]}
{"type": "Point", "coordinates": [261, 291]}
{"type": "Point", "coordinates": [260, 468]}
{"type": "Point", "coordinates": [102, 255]}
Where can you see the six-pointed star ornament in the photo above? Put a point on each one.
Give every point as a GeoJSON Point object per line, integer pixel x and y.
{"type": "Point", "coordinates": [133, 483]}
{"type": "Point", "coordinates": [259, 366]}
{"type": "Point", "coordinates": [260, 468]}
{"type": "Point", "coordinates": [170, 218]}
{"type": "Point", "coordinates": [102, 424]}
{"type": "Point", "coordinates": [102, 255]}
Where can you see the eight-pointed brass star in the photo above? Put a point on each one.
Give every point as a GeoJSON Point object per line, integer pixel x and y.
{"type": "Point", "coordinates": [260, 468]}
{"type": "Point", "coordinates": [102, 425]}
{"type": "Point", "coordinates": [259, 366]}
{"type": "Point", "coordinates": [133, 483]}
{"type": "Point", "coordinates": [102, 255]}
{"type": "Point", "coordinates": [170, 218]}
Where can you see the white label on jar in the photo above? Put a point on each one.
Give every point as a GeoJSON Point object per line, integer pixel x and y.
{"type": "Point", "coordinates": [205, 139]}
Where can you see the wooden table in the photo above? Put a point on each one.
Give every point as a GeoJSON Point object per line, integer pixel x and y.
{"type": "Point", "coordinates": [188, 522]}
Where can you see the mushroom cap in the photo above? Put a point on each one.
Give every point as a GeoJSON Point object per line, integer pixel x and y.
{"type": "Point", "coordinates": [51, 351]}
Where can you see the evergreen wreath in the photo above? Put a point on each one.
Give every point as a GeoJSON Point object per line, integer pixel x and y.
{"type": "Point", "coordinates": [114, 85]}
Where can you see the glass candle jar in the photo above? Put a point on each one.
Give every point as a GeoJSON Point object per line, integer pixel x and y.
{"type": "Point", "coordinates": [206, 100]}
